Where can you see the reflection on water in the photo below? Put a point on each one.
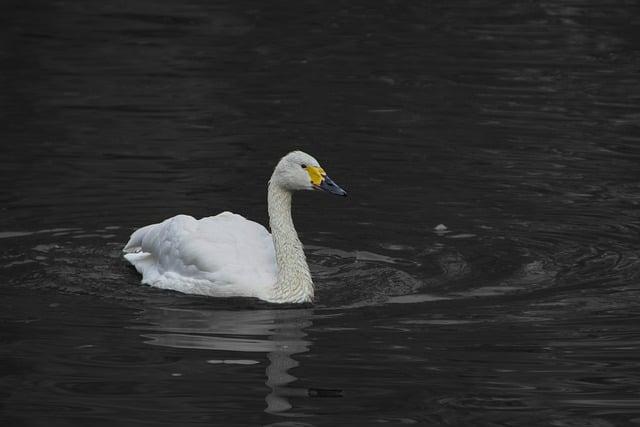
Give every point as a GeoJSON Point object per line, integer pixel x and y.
{"type": "Point", "coordinates": [278, 333]}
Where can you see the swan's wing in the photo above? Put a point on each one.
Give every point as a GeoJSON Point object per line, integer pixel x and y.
{"type": "Point", "coordinates": [226, 253]}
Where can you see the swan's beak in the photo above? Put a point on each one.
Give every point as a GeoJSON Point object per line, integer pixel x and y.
{"type": "Point", "coordinates": [331, 187]}
{"type": "Point", "coordinates": [321, 181]}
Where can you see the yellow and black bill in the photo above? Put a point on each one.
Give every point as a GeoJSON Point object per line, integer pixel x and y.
{"type": "Point", "coordinates": [321, 181]}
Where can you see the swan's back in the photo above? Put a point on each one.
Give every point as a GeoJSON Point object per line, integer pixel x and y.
{"type": "Point", "coordinates": [222, 255]}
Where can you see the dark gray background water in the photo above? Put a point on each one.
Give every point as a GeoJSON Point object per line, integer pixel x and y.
{"type": "Point", "coordinates": [515, 124]}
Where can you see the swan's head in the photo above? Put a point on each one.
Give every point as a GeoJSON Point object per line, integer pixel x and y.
{"type": "Point", "coordinates": [300, 171]}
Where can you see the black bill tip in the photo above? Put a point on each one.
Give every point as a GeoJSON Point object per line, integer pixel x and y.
{"type": "Point", "coordinates": [331, 187]}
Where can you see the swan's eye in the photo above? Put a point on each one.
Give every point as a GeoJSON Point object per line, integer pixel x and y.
{"type": "Point", "coordinates": [303, 166]}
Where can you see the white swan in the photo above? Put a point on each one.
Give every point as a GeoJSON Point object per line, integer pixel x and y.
{"type": "Point", "coordinates": [227, 255]}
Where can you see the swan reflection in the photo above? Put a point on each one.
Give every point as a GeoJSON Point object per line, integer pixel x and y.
{"type": "Point", "coordinates": [279, 333]}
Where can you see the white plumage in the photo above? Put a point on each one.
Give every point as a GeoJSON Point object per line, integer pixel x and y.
{"type": "Point", "coordinates": [227, 255]}
{"type": "Point", "coordinates": [223, 255]}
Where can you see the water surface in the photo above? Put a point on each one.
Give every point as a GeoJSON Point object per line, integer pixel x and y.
{"type": "Point", "coordinates": [483, 270]}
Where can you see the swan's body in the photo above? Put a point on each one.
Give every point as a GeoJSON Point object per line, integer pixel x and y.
{"type": "Point", "coordinates": [227, 255]}
{"type": "Point", "coordinates": [222, 255]}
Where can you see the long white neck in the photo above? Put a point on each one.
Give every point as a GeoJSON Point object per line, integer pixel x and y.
{"type": "Point", "coordinates": [294, 282]}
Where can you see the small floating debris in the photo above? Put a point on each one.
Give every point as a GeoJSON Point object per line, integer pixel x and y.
{"type": "Point", "coordinates": [441, 229]}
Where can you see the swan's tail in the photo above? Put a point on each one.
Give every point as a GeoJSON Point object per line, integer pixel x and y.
{"type": "Point", "coordinates": [141, 260]}
{"type": "Point", "coordinates": [135, 241]}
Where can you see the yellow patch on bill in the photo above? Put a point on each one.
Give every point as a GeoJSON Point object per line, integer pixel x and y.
{"type": "Point", "coordinates": [316, 174]}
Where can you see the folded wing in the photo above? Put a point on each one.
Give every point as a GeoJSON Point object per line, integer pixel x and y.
{"type": "Point", "coordinates": [223, 255]}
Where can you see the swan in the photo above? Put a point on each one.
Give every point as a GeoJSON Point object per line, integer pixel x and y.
{"type": "Point", "coordinates": [227, 255]}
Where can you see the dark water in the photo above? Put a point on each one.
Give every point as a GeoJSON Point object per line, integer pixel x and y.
{"type": "Point", "coordinates": [514, 124]}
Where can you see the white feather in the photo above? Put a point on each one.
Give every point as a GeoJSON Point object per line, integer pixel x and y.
{"type": "Point", "coordinates": [223, 255]}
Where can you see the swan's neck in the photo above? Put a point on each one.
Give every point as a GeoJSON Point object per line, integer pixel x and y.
{"type": "Point", "coordinates": [294, 279]}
